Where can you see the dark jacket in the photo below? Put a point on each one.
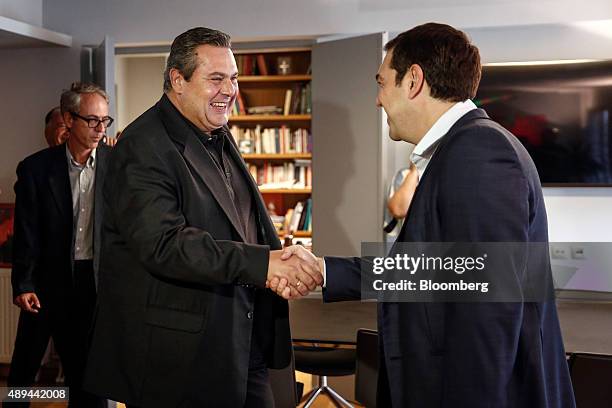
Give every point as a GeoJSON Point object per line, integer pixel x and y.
{"type": "Point", "coordinates": [174, 320]}
{"type": "Point", "coordinates": [480, 186]}
{"type": "Point", "coordinates": [43, 250]}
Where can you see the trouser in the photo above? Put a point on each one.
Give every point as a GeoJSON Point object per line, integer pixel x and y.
{"type": "Point", "coordinates": [68, 318]}
{"type": "Point", "coordinates": [259, 393]}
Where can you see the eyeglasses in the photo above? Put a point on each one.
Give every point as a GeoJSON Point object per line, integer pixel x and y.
{"type": "Point", "coordinates": [95, 122]}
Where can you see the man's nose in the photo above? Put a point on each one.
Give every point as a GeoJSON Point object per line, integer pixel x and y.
{"type": "Point", "coordinates": [228, 87]}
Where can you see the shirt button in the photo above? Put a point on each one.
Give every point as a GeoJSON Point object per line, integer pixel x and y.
{"type": "Point", "coordinates": [80, 229]}
{"type": "Point", "coordinates": [249, 315]}
{"type": "Point", "coordinates": [82, 210]}
{"type": "Point", "coordinates": [78, 248]}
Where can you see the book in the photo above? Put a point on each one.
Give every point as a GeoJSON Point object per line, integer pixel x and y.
{"type": "Point", "coordinates": [262, 67]}
{"type": "Point", "coordinates": [264, 110]}
{"type": "Point", "coordinates": [241, 104]}
{"type": "Point", "coordinates": [287, 108]}
{"type": "Point", "coordinates": [288, 218]}
{"type": "Point", "coordinates": [297, 215]}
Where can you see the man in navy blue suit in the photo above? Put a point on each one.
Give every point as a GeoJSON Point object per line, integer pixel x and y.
{"type": "Point", "coordinates": [476, 184]}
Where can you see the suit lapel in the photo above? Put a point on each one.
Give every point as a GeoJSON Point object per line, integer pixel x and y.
{"type": "Point", "coordinates": [437, 157]}
{"type": "Point", "coordinates": [269, 233]}
{"type": "Point", "coordinates": [101, 157]}
{"type": "Point", "coordinates": [198, 157]}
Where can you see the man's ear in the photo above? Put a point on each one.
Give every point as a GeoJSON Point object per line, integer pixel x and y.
{"type": "Point", "coordinates": [68, 119]}
{"type": "Point", "coordinates": [414, 80]}
{"type": "Point", "coordinates": [176, 80]}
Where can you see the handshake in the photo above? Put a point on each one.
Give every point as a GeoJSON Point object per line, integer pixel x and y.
{"type": "Point", "coordinates": [293, 272]}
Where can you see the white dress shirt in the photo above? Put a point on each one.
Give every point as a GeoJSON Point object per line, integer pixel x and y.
{"type": "Point", "coordinates": [425, 149]}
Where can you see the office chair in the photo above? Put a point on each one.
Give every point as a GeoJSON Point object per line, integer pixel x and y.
{"type": "Point", "coordinates": [592, 379]}
{"type": "Point", "coordinates": [366, 367]}
{"type": "Point", "coordinates": [324, 362]}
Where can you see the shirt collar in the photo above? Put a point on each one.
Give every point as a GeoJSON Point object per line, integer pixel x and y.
{"type": "Point", "coordinates": [91, 161]}
{"type": "Point", "coordinates": [442, 126]}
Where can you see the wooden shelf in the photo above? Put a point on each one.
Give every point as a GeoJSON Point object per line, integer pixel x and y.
{"type": "Point", "coordinates": [285, 190]}
{"type": "Point", "coordinates": [274, 78]}
{"type": "Point", "coordinates": [297, 234]}
{"type": "Point", "coordinates": [269, 118]}
{"type": "Point", "coordinates": [278, 156]}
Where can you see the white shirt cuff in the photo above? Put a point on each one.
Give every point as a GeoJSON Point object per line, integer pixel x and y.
{"type": "Point", "coordinates": [324, 274]}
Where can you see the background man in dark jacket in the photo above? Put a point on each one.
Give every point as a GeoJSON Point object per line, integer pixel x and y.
{"type": "Point", "coordinates": [57, 241]}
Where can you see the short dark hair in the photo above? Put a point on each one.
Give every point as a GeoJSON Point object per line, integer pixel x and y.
{"type": "Point", "coordinates": [50, 114]}
{"type": "Point", "coordinates": [183, 55]}
{"type": "Point", "coordinates": [451, 64]}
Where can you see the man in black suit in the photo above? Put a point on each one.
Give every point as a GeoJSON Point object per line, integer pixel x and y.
{"type": "Point", "coordinates": [57, 239]}
{"type": "Point", "coordinates": [476, 184]}
{"type": "Point", "coordinates": [183, 316]}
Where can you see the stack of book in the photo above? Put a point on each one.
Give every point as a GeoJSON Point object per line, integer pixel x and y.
{"type": "Point", "coordinates": [299, 218]}
{"type": "Point", "coordinates": [296, 174]}
{"type": "Point", "coordinates": [298, 100]}
{"type": "Point", "coordinates": [252, 64]}
{"type": "Point", "coordinates": [272, 140]}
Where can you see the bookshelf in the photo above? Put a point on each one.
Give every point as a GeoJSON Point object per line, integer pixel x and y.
{"type": "Point", "coordinates": [353, 158]}
{"type": "Point", "coordinates": [271, 122]}
{"type": "Point", "coordinates": [270, 118]}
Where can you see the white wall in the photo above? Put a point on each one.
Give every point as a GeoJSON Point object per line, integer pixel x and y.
{"type": "Point", "coordinates": [32, 81]}
{"type": "Point", "coordinates": [140, 82]}
{"type": "Point", "coordinates": [161, 20]}
{"type": "Point", "coordinates": [27, 11]}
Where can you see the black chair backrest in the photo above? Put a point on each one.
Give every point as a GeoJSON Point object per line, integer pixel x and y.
{"type": "Point", "coordinates": [592, 379]}
{"type": "Point", "coordinates": [366, 369]}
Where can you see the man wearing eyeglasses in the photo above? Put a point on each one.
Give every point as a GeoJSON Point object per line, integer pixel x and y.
{"type": "Point", "coordinates": [57, 234]}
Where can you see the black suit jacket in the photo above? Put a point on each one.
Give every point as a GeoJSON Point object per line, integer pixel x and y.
{"type": "Point", "coordinates": [174, 323]}
{"type": "Point", "coordinates": [480, 186]}
{"type": "Point", "coordinates": [43, 250]}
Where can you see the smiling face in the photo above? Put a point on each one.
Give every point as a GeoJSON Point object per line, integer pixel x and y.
{"type": "Point", "coordinates": [206, 99]}
{"type": "Point", "coordinates": [393, 98]}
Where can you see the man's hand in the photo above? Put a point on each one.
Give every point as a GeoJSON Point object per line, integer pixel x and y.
{"type": "Point", "coordinates": [301, 275]}
{"type": "Point", "coordinates": [28, 302]}
{"type": "Point", "coordinates": [110, 141]}
{"type": "Point", "coordinates": [282, 286]}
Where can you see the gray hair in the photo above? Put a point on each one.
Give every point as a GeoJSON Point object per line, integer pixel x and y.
{"type": "Point", "coordinates": [183, 55]}
{"type": "Point", "coordinates": [70, 100]}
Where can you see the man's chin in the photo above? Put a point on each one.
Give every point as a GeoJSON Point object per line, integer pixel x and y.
{"type": "Point", "coordinates": [394, 137]}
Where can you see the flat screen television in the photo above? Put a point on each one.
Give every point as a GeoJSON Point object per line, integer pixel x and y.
{"type": "Point", "coordinates": [561, 112]}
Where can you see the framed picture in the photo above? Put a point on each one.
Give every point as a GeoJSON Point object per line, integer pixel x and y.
{"type": "Point", "coordinates": [7, 214]}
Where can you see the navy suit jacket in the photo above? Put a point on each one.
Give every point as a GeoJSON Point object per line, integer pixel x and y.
{"type": "Point", "coordinates": [480, 186]}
